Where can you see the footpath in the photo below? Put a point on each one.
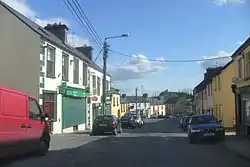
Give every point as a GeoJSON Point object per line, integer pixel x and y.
{"type": "Point", "coordinates": [239, 145]}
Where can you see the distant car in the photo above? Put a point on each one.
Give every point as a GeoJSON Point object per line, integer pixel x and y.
{"type": "Point", "coordinates": [106, 124]}
{"type": "Point", "coordinates": [138, 120]}
{"type": "Point", "coordinates": [205, 127]}
{"type": "Point", "coordinates": [185, 122]}
{"type": "Point", "coordinates": [153, 116]}
{"type": "Point", "coordinates": [160, 116]}
{"type": "Point", "coordinates": [127, 121]}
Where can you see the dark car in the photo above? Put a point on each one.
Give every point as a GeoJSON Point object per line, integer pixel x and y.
{"type": "Point", "coordinates": [205, 127]}
{"type": "Point", "coordinates": [106, 124]}
{"type": "Point", "coordinates": [127, 121]}
{"type": "Point", "coordinates": [186, 122]}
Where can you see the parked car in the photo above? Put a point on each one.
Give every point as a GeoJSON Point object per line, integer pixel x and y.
{"type": "Point", "coordinates": [153, 116]}
{"type": "Point", "coordinates": [127, 121]}
{"type": "Point", "coordinates": [160, 116]}
{"type": "Point", "coordinates": [185, 122]}
{"type": "Point", "coordinates": [138, 120]}
{"type": "Point", "coordinates": [106, 124]}
{"type": "Point", "coordinates": [24, 126]}
{"type": "Point", "coordinates": [205, 127]}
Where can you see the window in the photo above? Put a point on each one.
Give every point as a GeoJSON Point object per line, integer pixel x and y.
{"type": "Point", "coordinates": [42, 43]}
{"type": "Point", "coordinates": [162, 107]}
{"type": "Point", "coordinates": [240, 68]}
{"type": "Point", "coordinates": [51, 61]}
{"type": "Point", "coordinates": [117, 101]}
{"type": "Point", "coordinates": [65, 67]}
{"type": "Point", "coordinates": [247, 69]}
{"type": "Point", "coordinates": [94, 81]}
{"type": "Point", "coordinates": [215, 84]}
{"type": "Point", "coordinates": [85, 74]}
{"type": "Point", "coordinates": [76, 71]}
{"type": "Point", "coordinates": [98, 86]}
{"type": "Point", "coordinates": [113, 101]}
{"type": "Point", "coordinates": [34, 110]}
{"type": "Point", "coordinates": [219, 82]}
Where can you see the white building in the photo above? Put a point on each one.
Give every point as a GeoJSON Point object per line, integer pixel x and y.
{"type": "Point", "coordinates": [95, 100]}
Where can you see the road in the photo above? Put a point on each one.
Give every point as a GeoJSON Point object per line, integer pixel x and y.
{"type": "Point", "coordinates": [159, 143]}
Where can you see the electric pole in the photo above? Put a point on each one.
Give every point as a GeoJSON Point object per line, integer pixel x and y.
{"type": "Point", "coordinates": [104, 82]}
{"type": "Point", "coordinates": [136, 90]}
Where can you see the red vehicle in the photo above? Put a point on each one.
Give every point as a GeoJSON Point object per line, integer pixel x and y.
{"type": "Point", "coordinates": [23, 126]}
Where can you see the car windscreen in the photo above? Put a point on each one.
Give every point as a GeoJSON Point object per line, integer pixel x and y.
{"type": "Point", "coordinates": [204, 119]}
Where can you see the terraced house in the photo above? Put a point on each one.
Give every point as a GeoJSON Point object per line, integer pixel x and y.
{"type": "Point", "coordinates": [241, 88]}
{"type": "Point", "coordinates": [223, 98]}
{"type": "Point", "coordinates": [48, 68]}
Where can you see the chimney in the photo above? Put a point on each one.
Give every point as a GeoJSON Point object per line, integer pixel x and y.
{"type": "Point", "coordinates": [145, 95]}
{"type": "Point", "coordinates": [59, 30]}
{"type": "Point", "coordinates": [86, 50]}
{"type": "Point", "coordinates": [123, 95]}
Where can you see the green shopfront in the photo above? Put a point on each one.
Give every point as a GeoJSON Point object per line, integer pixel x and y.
{"type": "Point", "coordinates": [74, 106]}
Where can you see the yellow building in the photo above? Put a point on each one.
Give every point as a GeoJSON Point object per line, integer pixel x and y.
{"type": "Point", "coordinates": [241, 88]}
{"type": "Point", "coordinates": [115, 102]}
{"type": "Point", "coordinates": [223, 97]}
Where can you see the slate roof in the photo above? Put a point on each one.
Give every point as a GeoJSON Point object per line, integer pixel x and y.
{"type": "Point", "coordinates": [172, 100]}
{"type": "Point", "coordinates": [156, 100]}
{"type": "Point", "coordinates": [132, 99]}
{"type": "Point", "coordinates": [50, 37]}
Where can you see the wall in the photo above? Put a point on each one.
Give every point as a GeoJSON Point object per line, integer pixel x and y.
{"type": "Point", "coordinates": [116, 106]}
{"type": "Point", "coordinates": [223, 98]}
{"type": "Point", "coordinates": [20, 49]}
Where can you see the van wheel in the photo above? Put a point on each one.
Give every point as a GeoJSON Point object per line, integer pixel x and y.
{"type": "Point", "coordinates": [43, 146]}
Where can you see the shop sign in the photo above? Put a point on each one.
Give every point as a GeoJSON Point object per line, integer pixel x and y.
{"type": "Point", "coordinates": [71, 91]}
{"type": "Point", "coordinates": [94, 98]}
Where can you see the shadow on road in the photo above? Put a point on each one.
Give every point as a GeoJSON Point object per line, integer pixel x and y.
{"type": "Point", "coordinates": [110, 151]}
{"type": "Point", "coordinates": [157, 126]}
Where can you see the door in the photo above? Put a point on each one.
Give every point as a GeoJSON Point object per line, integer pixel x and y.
{"type": "Point", "coordinates": [34, 126]}
{"type": "Point", "coordinates": [13, 117]}
{"type": "Point", "coordinates": [108, 109]}
{"type": "Point", "coordinates": [49, 107]}
{"type": "Point", "coordinates": [74, 111]}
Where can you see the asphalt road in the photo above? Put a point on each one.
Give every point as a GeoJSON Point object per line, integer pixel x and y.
{"type": "Point", "coordinates": [158, 144]}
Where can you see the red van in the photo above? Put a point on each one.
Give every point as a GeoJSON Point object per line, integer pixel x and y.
{"type": "Point", "coordinates": [23, 126]}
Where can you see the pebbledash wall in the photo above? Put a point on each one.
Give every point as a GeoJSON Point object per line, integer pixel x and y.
{"type": "Point", "coordinates": [63, 90]}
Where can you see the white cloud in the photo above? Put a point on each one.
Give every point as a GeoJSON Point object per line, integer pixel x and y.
{"type": "Point", "coordinates": [135, 68]}
{"type": "Point", "coordinates": [23, 7]}
{"type": "Point", "coordinates": [225, 58]}
{"type": "Point", "coordinates": [226, 2]}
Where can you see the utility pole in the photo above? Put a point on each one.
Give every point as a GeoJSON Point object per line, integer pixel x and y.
{"type": "Point", "coordinates": [136, 90]}
{"type": "Point", "coordinates": [104, 82]}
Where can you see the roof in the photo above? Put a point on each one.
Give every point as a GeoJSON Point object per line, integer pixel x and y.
{"type": "Point", "coordinates": [210, 73]}
{"type": "Point", "coordinates": [241, 48]}
{"type": "Point", "coordinates": [172, 100]}
{"type": "Point", "coordinates": [132, 99]}
{"type": "Point", "coordinates": [46, 34]}
{"type": "Point", "coordinates": [156, 100]}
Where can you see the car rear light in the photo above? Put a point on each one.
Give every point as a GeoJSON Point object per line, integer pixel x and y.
{"type": "Point", "coordinates": [113, 123]}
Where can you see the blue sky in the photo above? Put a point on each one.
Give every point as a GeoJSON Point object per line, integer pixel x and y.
{"type": "Point", "coordinates": [161, 29]}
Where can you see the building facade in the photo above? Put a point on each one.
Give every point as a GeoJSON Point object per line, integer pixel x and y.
{"type": "Point", "coordinates": [241, 88]}
{"type": "Point", "coordinates": [157, 106]}
{"type": "Point", "coordinates": [116, 103]}
{"type": "Point", "coordinates": [223, 98]}
{"type": "Point", "coordinates": [16, 70]}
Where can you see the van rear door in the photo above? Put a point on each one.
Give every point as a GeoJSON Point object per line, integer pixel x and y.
{"type": "Point", "coordinates": [12, 122]}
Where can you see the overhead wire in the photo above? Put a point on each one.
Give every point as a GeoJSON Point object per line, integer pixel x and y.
{"type": "Point", "coordinates": [73, 11]}
{"type": "Point", "coordinates": [168, 61]}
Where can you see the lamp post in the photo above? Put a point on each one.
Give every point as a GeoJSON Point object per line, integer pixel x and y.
{"type": "Point", "coordinates": [105, 56]}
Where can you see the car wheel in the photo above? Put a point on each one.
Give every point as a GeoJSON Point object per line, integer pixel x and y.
{"type": "Point", "coordinates": [115, 132]}
{"type": "Point", "coordinates": [43, 146]}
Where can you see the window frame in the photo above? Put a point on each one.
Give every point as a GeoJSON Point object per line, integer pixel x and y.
{"type": "Point", "coordinates": [51, 49]}
{"type": "Point", "coordinates": [65, 72]}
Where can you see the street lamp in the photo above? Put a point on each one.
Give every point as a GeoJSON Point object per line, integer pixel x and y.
{"type": "Point", "coordinates": [105, 56]}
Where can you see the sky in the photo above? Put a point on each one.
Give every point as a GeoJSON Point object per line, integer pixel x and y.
{"type": "Point", "coordinates": [158, 30]}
